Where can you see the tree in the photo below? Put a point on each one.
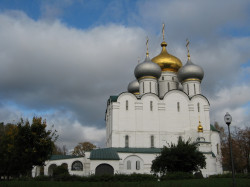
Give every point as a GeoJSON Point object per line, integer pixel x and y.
{"type": "Point", "coordinates": [240, 146]}
{"type": "Point", "coordinates": [82, 147]}
{"type": "Point", "coordinates": [59, 150]}
{"type": "Point", "coordinates": [183, 157]}
{"type": "Point", "coordinates": [24, 145]}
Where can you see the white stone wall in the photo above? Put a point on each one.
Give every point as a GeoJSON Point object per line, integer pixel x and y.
{"type": "Point", "coordinates": [167, 119]}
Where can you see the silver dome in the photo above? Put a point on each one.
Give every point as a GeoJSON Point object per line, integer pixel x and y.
{"type": "Point", "coordinates": [133, 87]}
{"type": "Point", "coordinates": [147, 68]}
{"type": "Point", "coordinates": [190, 71]}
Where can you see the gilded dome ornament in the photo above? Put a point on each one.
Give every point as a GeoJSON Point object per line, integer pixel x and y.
{"type": "Point", "coordinates": [166, 61]}
{"type": "Point", "coordinates": [200, 128]}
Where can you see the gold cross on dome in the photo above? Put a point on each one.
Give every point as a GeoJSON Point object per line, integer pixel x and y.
{"type": "Point", "coordinates": [187, 45]}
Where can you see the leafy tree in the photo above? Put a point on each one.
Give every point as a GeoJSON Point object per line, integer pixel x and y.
{"type": "Point", "coordinates": [23, 146]}
{"type": "Point", "coordinates": [82, 147]}
{"type": "Point", "coordinates": [240, 145]}
{"type": "Point", "coordinates": [183, 157]}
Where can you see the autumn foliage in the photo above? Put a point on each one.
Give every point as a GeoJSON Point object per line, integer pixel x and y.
{"type": "Point", "coordinates": [240, 147]}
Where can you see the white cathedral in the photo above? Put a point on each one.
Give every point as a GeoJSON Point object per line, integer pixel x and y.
{"type": "Point", "coordinates": [163, 103]}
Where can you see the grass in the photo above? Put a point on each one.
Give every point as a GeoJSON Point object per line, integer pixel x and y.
{"type": "Point", "coordinates": [214, 182]}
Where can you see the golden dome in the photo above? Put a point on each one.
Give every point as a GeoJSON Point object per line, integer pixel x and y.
{"type": "Point", "coordinates": [200, 128]}
{"type": "Point", "coordinates": [166, 61]}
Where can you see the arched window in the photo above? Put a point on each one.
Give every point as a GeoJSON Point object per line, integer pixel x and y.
{"type": "Point", "coordinates": [152, 141]}
{"type": "Point", "coordinates": [77, 166]}
{"type": "Point", "coordinates": [178, 106]}
{"type": "Point", "coordinates": [198, 107]}
{"type": "Point", "coordinates": [126, 141]}
{"type": "Point", "coordinates": [126, 104]}
{"type": "Point", "coordinates": [128, 165]}
{"type": "Point", "coordinates": [151, 105]}
{"type": "Point", "coordinates": [137, 165]}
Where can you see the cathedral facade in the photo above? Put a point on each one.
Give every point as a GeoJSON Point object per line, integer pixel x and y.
{"type": "Point", "coordinates": [163, 103]}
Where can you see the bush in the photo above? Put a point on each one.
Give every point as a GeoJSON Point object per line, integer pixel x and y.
{"type": "Point", "coordinates": [229, 175]}
{"type": "Point", "coordinates": [177, 176]}
{"type": "Point", "coordinates": [198, 175]}
{"type": "Point", "coordinates": [60, 170]}
{"type": "Point", "coordinates": [42, 178]}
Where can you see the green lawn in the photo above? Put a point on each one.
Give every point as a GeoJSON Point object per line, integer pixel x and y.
{"type": "Point", "coordinates": [223, 182]}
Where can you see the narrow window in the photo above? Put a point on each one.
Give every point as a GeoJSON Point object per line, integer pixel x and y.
{"type": "Point", "coordinates": [218, 151]}
{"type": "Point", "coordinates": [194, 89]}
{"type": "Point", "coordinates": [152, 141]}
{"type": "Point", "coordinates": [126, 141]}
{"type": "Point", "coordinates": [168, 86]}
{"type": "Point", "coordinates": [198, 107]}
{"type": "Point", "coordinates": [143, 87]}
{"type": "Point", "coordinates": [172, 78]}
{"type": "Point", "coordinates": [188, 89]}
{"type": "Point", "coordinates": [178, 106]}
{"type": "Point", "coordinates": [151, 105]}
{"type": "Point", "coordinates": [128, 165]}
{"type": "Point", "coordinates": [126, 104]}
{"type": "Point", "coordinates": [162, 78]}
{"type": "Point", "coordinates": [150, 87]}
{"type": "Point", "coordinates": [137, 165]}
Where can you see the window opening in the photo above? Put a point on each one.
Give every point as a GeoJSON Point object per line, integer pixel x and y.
{"type": "Point", "coordinates": [198, 107]}
{"type": "Point", "coordinates": [149, 86]}
{"type": "Point", "coordinates": [126, 104]}
{"type": "Point", "coordinates": [128, 165]}
{"type": "Point", "coordinates": [137, 165]}
{"type": "Point", "coordinates": [126, 141]}
{"type": "Point", "coordinates": [188, 89]}
{"type": "Point", "coordinates": [194, 89]}
{"type": "Point", "coordinates": [168, 86]}
{"type": "Point", "coordinates": [178, 106]}
{"type": "Point", "coordinates": [152, 141]}
{"type": "Point", "coordinates": [151, 105]}
{"type": "Point", "coordinates": [143, 87]}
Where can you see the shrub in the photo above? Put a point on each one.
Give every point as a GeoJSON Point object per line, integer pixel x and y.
{"type": "Point", "coordinates": [177, 176]}
{"type": "Point", "coordinates": [198, 175]}
{"type": "Point", "coordinates": [60, 170]}
{"type": "Point", "coordinates": [42, 178]}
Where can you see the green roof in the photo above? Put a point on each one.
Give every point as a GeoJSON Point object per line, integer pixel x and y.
{"type": "Point", "coordinates": [104, 154]}
{"type": "Point", "coordinates": [212, 128]}
{"type": "Point", "coordinates": [113, 98]}
{"type": "Point", "coordinates": [61, 157]}
{"type": "Point", "coordinates": [111, 153]}
{"type": "Point", "coordinates": [137, 150]}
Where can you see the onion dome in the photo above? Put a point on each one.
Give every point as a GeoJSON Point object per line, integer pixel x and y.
{"type": "Point", "coordinates": [147, 69]}
{"type": "Point", "coordinates": [133, 87]}
{"type": "Point", "coordinates": [166, 61]}
{"type": "Point", "coordinates": [190, 71]}
{"type": "Point", "coordinates": [200, 128]}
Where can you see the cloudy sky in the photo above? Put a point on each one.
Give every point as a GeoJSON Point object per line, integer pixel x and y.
{"type": "Point", "coordinates": [62, 59]}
